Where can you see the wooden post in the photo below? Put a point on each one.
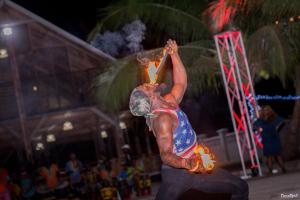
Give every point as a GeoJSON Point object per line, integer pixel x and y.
{"type": "Point", "coordinates": [96, 137]}
{"type": "Point", "coordinates": [19, 96]}
{"type": "Point", "coordinates": [117, 133]}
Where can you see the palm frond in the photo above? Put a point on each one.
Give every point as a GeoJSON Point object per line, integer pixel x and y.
{"type": "Point", "coordinates": [165, 17]}
{"type": "Point", "coordinates": [279, 8]}
{"type": "Point", "coordinates": [113, 87]}
{"type": "Point", "coordinates": [265, 51]}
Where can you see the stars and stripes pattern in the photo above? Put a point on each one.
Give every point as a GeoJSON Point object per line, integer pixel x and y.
{"type": "Point", "coordinates": [184, 137]}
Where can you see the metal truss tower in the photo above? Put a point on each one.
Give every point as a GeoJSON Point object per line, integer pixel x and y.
{"type": "Point", "coordinates": [240, 93]}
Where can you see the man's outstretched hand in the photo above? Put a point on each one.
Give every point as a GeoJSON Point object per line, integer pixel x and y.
{"type": "Point", "coordinates": [195, 165]}
{"type": "Point", "coordinates": [171, 47]}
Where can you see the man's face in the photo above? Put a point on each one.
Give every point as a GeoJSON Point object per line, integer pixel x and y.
{"type": "Point", "coordinates": [150, 90]}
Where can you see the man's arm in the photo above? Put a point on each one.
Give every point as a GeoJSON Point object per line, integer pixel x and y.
{"type": "Point", "coordinates": [179, 73]}
{"type": "Point", "coordinates": [162, 126]}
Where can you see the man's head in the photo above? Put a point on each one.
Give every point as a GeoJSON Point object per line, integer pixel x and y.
{"type": "Point", "coordinates": [142, 99]}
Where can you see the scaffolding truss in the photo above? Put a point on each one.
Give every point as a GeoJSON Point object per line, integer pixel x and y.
{"type": "Point", "coordinates": [240, 95]}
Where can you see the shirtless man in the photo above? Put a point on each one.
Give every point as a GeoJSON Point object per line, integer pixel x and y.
{"type": "Point", "coordinates": [177, 140]}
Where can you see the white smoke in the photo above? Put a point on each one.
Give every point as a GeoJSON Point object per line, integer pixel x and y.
{"type": "Point", "coordinates": [109, 42]}
{"type": "Point", "coordinates": [124, 42]}
{"type": "Point", "coordinates": [134, 34]}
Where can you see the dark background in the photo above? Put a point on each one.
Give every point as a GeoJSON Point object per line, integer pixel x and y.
{"type": "Point", "coordinates": [207, 113]}
{"type": "Point", "coordinates": [77, 17]}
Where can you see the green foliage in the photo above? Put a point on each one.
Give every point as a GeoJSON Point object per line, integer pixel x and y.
{"type": "Point", "coordinates": [113, 87]}
{"type": "Point", "coordinates": [271, 50]}
{"type": "Point", "coordinates": [265, 52]}
{"type": "Point", "coordinates": [178, 19]}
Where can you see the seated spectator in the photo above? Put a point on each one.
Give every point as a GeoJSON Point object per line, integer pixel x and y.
{"type": "Point", "coordinates": [73, 169]}
{"type": "Point", "coordinates": [4, 178]}
{"type": "Point", "coordinates": [50, 175]}
{"type": "Point", "coordinates": [147, 185]}
{"type": "Point", "coordinates": [27, 184]}
{"type": "Point", "coordinates": [107, 191]}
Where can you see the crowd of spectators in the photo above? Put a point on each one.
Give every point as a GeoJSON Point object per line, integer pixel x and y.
{"type": "Point", "coordinates": [76, 180]}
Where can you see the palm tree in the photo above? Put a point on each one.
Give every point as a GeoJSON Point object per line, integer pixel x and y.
{"type": "Point", "coordinates": [176, 19]}
{"type": "Point", "coordinates": [270, 47]}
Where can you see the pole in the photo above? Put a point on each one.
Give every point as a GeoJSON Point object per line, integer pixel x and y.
{"type": "Point", "coordinates": [19, 96]}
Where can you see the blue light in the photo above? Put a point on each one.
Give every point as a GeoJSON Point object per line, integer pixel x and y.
{"type": "Point", "coordinates": [277, 97]}
{"type": "Point", "coordinates": [267, 97]}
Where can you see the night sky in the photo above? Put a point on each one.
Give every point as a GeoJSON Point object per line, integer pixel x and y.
{"type": "Point", "coordinates": [76, 17]}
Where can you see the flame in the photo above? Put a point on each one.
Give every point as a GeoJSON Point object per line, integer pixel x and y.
{"type": "Point", "coordinates": [154, 67]}
{"type": "Point", "coordinates": [151, 70]}
{"type": "Point", "coordinates": [206, 156]}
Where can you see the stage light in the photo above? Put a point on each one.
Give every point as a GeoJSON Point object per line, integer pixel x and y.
{"type": "Point", "coordinates": [34, 88]}
{"type": "Point", "coordinates": [291, 19]}
{"type": "Point", "coordinates": [104, 134]}
{"type": "Point", "coordinates": [51, 138]}
{"type": "Point", "coordinates": [39, 146]}
{"type": "Point", "coordinates": [3, 53]}
{"type": "Point", "coordinates": [67, 126]}
{"type": "Point", "coordinates": [7, 31]}
{"type": "Point", "coordinates": [122, 125]}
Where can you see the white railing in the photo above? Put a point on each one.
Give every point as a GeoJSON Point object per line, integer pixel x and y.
{"type": "Point", "coordinates": [225, 148]}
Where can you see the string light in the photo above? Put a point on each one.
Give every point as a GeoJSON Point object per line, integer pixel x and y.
{"type": "Point", "coordinates": [3, 53]}
{"type": "Point", "coordinates": [277, 97]}
{"type": "Point", "coordinates": [67, 126]}
{"type": "Point", "coordinates": [39, 146]}
{"type": "Point", "coordinates": [7, 31]}
{"type": "Point", "coordinates": [291, 19]}
{"type": "Point", "coordinates": [122, 125]}
{"type": "Point", "coordinates": [35, 88]}
{"type": "Point", "coordinates": [51, 138]}
{"type": "Point", "coordinates": [267, 97]}
{"type": "Point", "coordinates": [104, 134]}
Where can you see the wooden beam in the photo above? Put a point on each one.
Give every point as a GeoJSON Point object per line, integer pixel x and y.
{"type": "Point", "coordinates": [21, 22]}
{"type": "Point", "coordinates": [14, 133]}
{"type": "Point", "coordinates": [117, 133]}
{"type": "Point", "coordinates": [19, 96]}
{"type": "Point", "coordinates": [37, 128]}
{"type": "Point", "coordinates": [104, 116]}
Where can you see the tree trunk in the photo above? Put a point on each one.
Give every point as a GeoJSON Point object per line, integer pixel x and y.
{"type": "Point", "coordinates": [291, 145]}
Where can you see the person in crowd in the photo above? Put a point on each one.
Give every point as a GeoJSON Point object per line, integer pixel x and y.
{"type": "Point", "coordinates": [73, 169]}
{"type": "Point", "coordinates": [4, 178]}
{"type": "Point", "coordinates": [107, 191]}
{"type": "Point", "coordinates": [269, 124]}
{"type": "Point", "coordinates": [127, 155]}
{"type": "Point", "coordinates": [148, 185]}
{"type": "Point", "coordinates": [50, 173]}
{"type": "Point", "coordinates": [27, 184]}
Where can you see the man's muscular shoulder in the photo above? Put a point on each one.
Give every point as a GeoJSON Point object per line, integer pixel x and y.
{"type": "Point", "coordinates": [163, 123]}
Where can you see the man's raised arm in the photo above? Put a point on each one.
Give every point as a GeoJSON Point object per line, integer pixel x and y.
{"type": "Point", "coordinates": [179, 73]}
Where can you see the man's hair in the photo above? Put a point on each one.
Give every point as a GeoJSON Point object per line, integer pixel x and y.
{"type": "Point", "coordinates": [139, 103]}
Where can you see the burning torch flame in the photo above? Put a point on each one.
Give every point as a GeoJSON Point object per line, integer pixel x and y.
{"type": "Point", "coordinates": [206, 157]}
{"type": "Point", "coordinates": [153, 68]}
